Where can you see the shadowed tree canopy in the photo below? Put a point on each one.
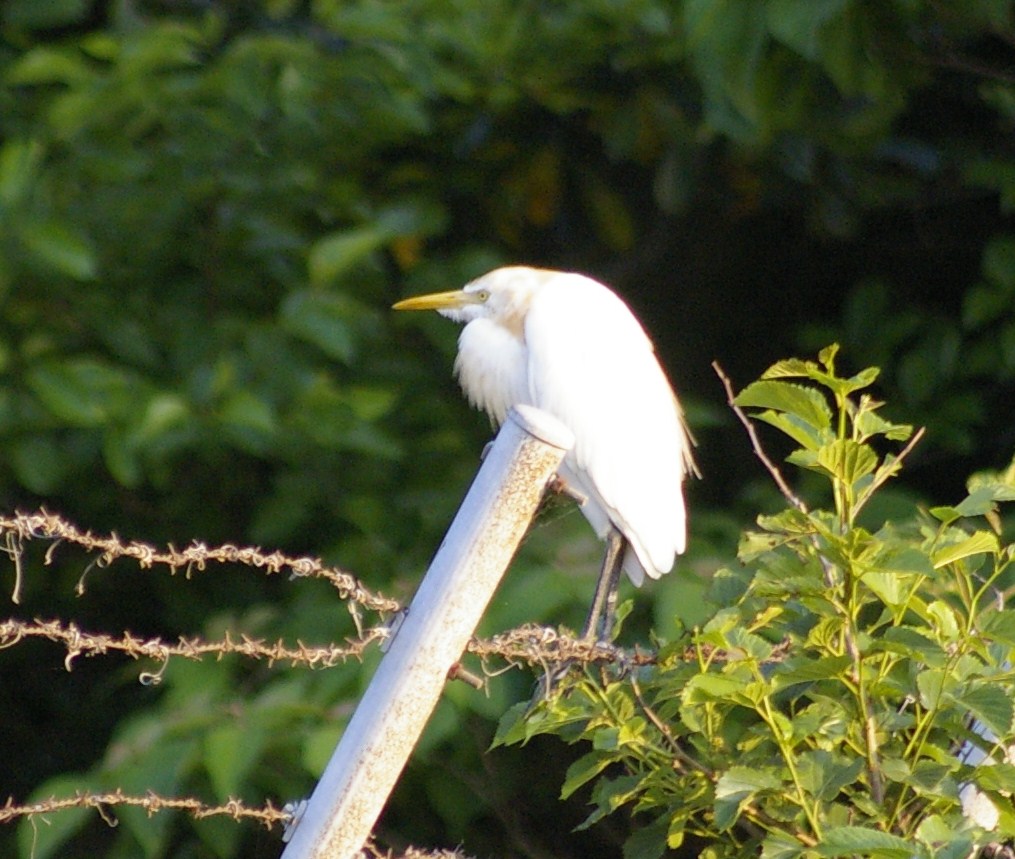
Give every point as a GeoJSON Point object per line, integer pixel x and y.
{"type": "Point", "coordinates": [206, 210]}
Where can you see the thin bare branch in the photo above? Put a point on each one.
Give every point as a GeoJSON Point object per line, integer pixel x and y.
{"type": "Point", "coordinates": [759, 452]}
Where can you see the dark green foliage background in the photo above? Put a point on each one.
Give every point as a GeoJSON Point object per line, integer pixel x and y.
{"type": "Point", "coordinates": [206, 209]}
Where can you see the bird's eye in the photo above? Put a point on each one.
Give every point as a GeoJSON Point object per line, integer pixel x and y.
{"type": "Point", "coordinates": [482, 295]}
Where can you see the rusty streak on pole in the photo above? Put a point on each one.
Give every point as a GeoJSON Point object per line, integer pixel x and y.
{"type": "Point", "coordinates": [442, 617]}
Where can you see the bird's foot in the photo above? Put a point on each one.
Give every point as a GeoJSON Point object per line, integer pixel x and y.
{"type": "Point", "coordinates": [559, 486]}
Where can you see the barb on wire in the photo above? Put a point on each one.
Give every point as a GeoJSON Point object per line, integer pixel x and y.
{"type": "Point", "coordinates": [43, 525]}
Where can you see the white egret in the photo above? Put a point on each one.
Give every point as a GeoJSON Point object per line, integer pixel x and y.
{"type": "Point", "coordinates": [566, 344]}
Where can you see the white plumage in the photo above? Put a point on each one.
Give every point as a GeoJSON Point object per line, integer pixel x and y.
{"type": "Point", "coordinates": [568, 345]}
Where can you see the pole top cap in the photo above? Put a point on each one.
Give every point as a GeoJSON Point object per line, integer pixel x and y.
{"type": "Point", "coordinates": [542, 425]}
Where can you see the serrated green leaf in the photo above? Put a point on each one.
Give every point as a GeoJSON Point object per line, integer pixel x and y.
{"type": "Point", "coordinates": [1000, 626]}
{"type": "Point", "coordinates": [903, 559]}
{"type": "Point", "coordinates": [739, 780]}
{"type": "Point", "coordinates": [980, 543]}
{"type": "Point", "coordinates": [609, 795]}
{"type": "Point", "coordinates": [824, 774]}
{"type": "Point", "coordinates": [583, 770]}
{"type": "Point", "coordinates": [864, 379]}
{"type": "Point", "coordinates": [781, 845]}
{"type": "Point", "coordinates": [806, 404]}
{"type": "Point", "coordinates": [735, 787]}
{"type": "Point", "coordinates": [750, 644]}
{"type": "Point", "coordinates": [847, 460]}
{"type": "Point", "coordinates": [802, 432]}
{"type": "Point", "coordinates": [711, 687]}
{"type": "Point", "coordinates": [946, 624]}
{"type": "Point", "coordinates": [945, 514]}
{"type": "Point", "coordinates": [860, 840]}
{"type": "Point", "coordinates": [868, 423]}
{"type": "Point", "coordinates": [909, 642]}
{"type": "Point", "coordinates": [826, 357]}
{"type": "Point", "coordinates": [990, 704]}
{"type": "Point", "coordinates": [798, 670]}
{"type": "Point", "coordinates": [983, 499]}
{"type": "Point", "coordinates": [512, 726]}
{"type": "Point", "coordinates": [790, 368]}
{"type": "Point", "coordinates": [934, 684]}
{"type": "Point", "coordinates": [895, 769]}
{"type": "Point", "coordinates": [933, 779]}
{"type": "Point", "coordinates": [999, 777]}
{"type": "Point", "coordinates": [935, 830]}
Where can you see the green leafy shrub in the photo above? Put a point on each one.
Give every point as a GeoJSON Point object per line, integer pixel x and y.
{"type": "Point", "coordinates": [831, 703]}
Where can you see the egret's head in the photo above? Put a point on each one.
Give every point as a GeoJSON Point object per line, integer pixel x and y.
{"type": "Point", "coordinates": [501, 295]}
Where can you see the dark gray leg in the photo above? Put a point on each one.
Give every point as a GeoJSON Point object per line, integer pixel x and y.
{"type": "Point", "coordinates": [602, 612]}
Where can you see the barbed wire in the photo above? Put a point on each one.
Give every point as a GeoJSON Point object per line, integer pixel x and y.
{"type": "Point", "coordinates": [20, 528]}
{"type": "Point", "coordinates": [543, 646]}
{"type": "Point", "coordinates": [80, 643]}
{"type": "Point", "coordinates": [532, 645]}
{"type": "Point", "coordinates": [267, 815]}
{"type": "Point", "coordinates": [529, 645]}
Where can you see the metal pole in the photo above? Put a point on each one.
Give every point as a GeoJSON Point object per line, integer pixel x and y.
{"type": "Point", "coordinates": [450, 601]}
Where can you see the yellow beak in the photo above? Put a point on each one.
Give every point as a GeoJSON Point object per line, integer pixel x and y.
{"type": "Point", "coordinates": [437, 301]}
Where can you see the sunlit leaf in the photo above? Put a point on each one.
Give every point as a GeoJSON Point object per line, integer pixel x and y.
{"type": "Point", "coordinates": [583, 771]}
{"type": "Point", "coordinates": [847, 460]}
{"type": "Point", "coordinates": [807, 404]}
{"type": "Point", "coordinates": [801, 431]}
{"type": "Point", "coordinates": [991, 705]}
{"type": "Point", "coordinates": [1000, 777]}
{"type": "Point", "coordinates": [861, 840]}
{"type": "Point", "coordinates": [805, 671]}
{"type": "Point", "coordinates": [982, 542]}
{"type": "Point", "coordinates": [983, 498]}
